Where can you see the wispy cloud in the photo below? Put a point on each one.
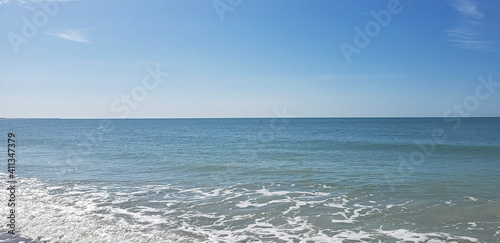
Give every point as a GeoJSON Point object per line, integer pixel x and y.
{"type": "Point", "coordinates": [358, 76]}
{"type": "Point", "coordinates": [469, 33]}
{"type": "Point", "coordinates": [467, 38]}
{"type": "Point", "coordinates": [71, 35]}
{"type": "Point", "coordinates": [468, 8]}
{"type": "Point", "coordinates": [26, 3]}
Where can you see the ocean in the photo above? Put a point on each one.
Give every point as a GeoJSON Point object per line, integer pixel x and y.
{"type": "Point", "coordinates": [254, 180]}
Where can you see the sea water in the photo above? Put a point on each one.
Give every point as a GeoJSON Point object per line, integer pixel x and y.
{"type": "Point", "coordinates": [255, 180]}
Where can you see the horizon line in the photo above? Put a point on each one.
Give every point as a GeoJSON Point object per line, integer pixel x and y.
{"type": "Point", "coordinates": [296, 117]}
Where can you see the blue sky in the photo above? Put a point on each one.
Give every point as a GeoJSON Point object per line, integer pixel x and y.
{"type": "Point", "coordinates": [247, 58]}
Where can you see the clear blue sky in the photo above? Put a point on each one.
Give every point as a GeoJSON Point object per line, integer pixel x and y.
{"type": "Point", "coordinates": [247, 59]}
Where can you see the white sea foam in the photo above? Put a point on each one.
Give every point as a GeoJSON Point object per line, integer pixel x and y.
{"type": "Point", "coordinates": [396, 205]}
{"type": "Point", "coordinates": [405, 235]}
{"type": "Point", "coordinates": [160, 213]}
{"type": "Point", "coordinates": [335, 205]}
{"type": "Point", "coordinates": [474, 199]}
{"type": "Point", "coordinates": [473, 224]}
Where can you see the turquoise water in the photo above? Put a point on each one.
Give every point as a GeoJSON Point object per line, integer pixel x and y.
{"type": "Point", "coordinates": [257, 180]}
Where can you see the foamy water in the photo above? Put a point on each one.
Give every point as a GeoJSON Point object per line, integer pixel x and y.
{"type": "Point", "coordinates": [246, 213]}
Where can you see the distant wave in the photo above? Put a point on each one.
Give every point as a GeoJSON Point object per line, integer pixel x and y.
{"type": "Point", "coordinates": [437, 149]}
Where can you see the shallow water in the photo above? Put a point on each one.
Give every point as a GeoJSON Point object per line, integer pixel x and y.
{"type": "Point", "coordinates": [257, 180]}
